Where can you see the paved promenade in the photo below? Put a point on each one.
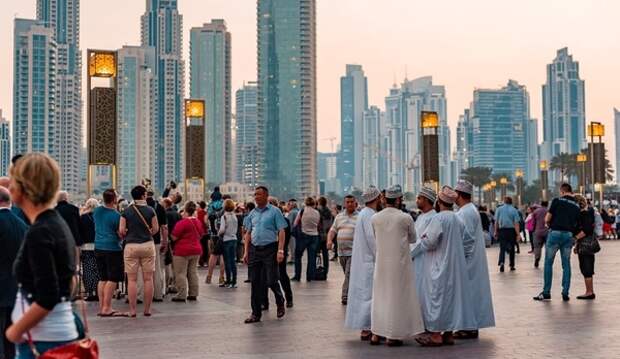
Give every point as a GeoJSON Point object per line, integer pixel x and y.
{"type": "Point", "coordinates": [213, 327]}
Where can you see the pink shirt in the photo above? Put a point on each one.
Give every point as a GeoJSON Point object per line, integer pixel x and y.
{"type": "Point", "coordinates": [188, 232]}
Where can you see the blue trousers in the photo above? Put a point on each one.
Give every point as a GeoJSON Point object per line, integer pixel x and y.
{"type": "Point", "coordinates": [563, 242]}
{"type": "Point", "coordinates": [230, 249]}
{"type": "Point", "coordinates": [311, 243]}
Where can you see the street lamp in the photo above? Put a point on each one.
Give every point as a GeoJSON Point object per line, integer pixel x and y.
{"type": "Point", "coordinates": [503, 182]}
{"type": "Point", "coordinates": [544, 179]}
{"type": "Point", "coordinates": [429, 123]}
{"type": "Point", "coordinates": [582, 158]}
{"type": "Point", "coordinates": [493, 185]}
{"type": "Point", "coordinates": [194, 147]}
{"type": "Point", "coordinates": [519, 177]}
{"type": "Point", "coordinates": [596, 131]}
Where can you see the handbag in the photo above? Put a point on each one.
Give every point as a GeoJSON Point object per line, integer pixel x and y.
{"type": "Point", "coordinates": [218, 242]}
{"type": "Point", "coordinates": [83, 348]}
{"type": "Point", "coordinates": [589, 245]}
{"type": "Point", "coordinates": [148, 228]}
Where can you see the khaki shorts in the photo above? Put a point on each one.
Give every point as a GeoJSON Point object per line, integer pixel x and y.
{"type": "Point", "coordinates": [140, 255]}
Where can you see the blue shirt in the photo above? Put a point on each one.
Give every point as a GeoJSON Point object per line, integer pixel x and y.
{"type": "Point", "coordinates": [506, 216]}
{"type": "Point", "coordinates": [264, 225]}
{"type": "Point", "coordinates": [106, 229]}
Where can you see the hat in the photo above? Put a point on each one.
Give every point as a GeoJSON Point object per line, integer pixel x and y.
{"type": "Point", "coordinates": [370, 194]}
{"type": "Point", "coordinates": [447, 195]}
{"type": "Point", "coordinates": [393, 192]}
{"type": "Point", "coordinates": [428, 193]}
{"type": "Point", "coordinates": [464, 186]}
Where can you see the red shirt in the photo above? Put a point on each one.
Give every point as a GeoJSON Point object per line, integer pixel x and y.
{"type": "Point", "coordinates": [188, 232]}
{"type": "Point", "coordinates": [200, 214]}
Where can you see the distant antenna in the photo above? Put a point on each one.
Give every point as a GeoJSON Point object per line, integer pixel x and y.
{"type": "Point", "coordinates": [406, 77]}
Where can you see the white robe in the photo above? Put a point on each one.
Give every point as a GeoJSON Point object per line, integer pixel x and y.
{"type": "Point", "coordinates": [477, 267]}
{"type": "Point", "coordinates": [421, 224]}
{"type": "Point", "coordinates": [361, 274]}
{"type": "Point", "coordinates": [396, 312]}
{"type": "Point", "coordinates": [445, 300]}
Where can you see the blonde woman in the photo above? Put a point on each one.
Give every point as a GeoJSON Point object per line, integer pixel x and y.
{"type": "Point", "coordinates": [228, 232]}
{"type": "Point", "coordinates": [90, 276]}
{"type": "Point", "coordinates": [45, 265]}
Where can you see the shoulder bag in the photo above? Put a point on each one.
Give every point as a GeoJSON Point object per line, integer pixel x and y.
{"type": "Point", "coordinates": [218, 243]}
{"type": "Point", "coordinates": [589, 245]}
{"type": "Point", "coordinates": [148, 228]}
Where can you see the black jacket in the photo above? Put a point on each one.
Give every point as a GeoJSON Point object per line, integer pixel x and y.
{"type": "Point", "coordinates": [45, 263]}
{"type": "Point", "coordinates": [71, 215]}
{"type": "Point", "coordinates": [12, 233]}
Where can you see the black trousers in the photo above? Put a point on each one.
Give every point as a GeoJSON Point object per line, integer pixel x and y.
{"type": "Point", "coordinates": [507, 241]}
{"type": "Point", "coordinates": [264, 273]}
{"type": "Point", "coordinates": [7, 349]}
{"type": "Point", "coordinates": [284, 282]}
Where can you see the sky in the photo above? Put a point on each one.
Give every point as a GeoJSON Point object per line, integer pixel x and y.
{"type": "Point", "coordinates": [464, 45]}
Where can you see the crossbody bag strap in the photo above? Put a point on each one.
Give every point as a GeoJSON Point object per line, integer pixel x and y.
{"type": "Point", "coordinates": [148, 228]}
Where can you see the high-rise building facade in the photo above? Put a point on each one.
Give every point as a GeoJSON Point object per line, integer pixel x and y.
{"type": "Point", "coordinates": [246, 140]}
{"type": "Point", "coordinates": [353, 103]}
{"type": "Point", "coordinates": [464, 142]}
{"type": "Point", "coordinates": [403, 107]}
{"type": "Point", "coordinates": [63, 17]}
{"type": "Point", "coordinates": [373, 157]}
{"type": "Point", "coordinates": [5, 146]}
{"type": "Point", "coordinates": [500, 120]}
{"type": "Point", "coordinates": [287, 96]}
{"type": "Point", "coordinates": [533, 155]}
{"type": "Point", "coordinates": [136, 110]}
{"type": "Point", "coordinates": [35, 126]}
{"type": "Point", "coordinates": [327, 170]}
{"type": "Point", "coordinates": [617, 142]}
{"type": "Point", "coordinates": [210, 81]}
{"type": "Point", "coordinates": [564, 119]}
{"type": "Point", "coordinates": [162, 29]}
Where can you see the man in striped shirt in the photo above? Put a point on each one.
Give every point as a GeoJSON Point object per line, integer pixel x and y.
{"type": "Point", "coordinates": [343, 229]}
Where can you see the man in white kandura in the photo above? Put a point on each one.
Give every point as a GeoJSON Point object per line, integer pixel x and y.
{"type": "Point", "coordinates": [425, 202]}
{"type": "Point", "coordinates": [444, 297]}
{"type": "Point", "coordinates": [396, 313]}
{"type": "Point", "coordinates": [476, 260]}
{"type": "Point", "coordinates": [363, 266]}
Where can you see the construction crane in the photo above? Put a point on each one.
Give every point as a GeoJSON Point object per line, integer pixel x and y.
{"type": "Point", "coordinates": [332, 140]}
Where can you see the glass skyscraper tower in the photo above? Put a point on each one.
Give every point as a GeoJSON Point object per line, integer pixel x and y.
{"type": "Point", "coordinates": [287, 96]}
{"type": "Point", "coordinates": [35, 126]}
{"type": "Point", "coordinates": [5, 146]}
{"type": "Point", "coordinates": [246, 140]}
{"type": "Point", "coordinates": [161, 29]}
{"type": "Point", "coordinates": [63, 17]}
{"type": "Point", "coordinates": [210, 81]}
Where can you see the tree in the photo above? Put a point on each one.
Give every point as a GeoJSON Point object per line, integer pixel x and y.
{"type": "Point", "coordinates": [609, 172]}
{"type": "Point", "coordinates": [566, 164]}
{"type": "Point", "coordinates": [478, 176]}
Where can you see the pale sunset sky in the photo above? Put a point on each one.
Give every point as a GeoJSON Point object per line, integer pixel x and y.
{"type": "Point", "coordinates": [463, 44]}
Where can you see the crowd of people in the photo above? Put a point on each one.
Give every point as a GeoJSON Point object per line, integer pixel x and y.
{"type": "Point", "coordinates": [432, 261]}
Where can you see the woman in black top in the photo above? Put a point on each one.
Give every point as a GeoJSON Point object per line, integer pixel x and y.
{"type": "Point", "coordinates": [90, 275]}
{"type": "Point", "coordinates": [45, 264]}
{"type": "Point", "coordinates": [585, 231]}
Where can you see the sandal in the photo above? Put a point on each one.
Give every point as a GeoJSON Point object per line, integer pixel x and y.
{"type": "Point", "coordinates": [394, 343]}
{"type": "Point", "coordinates": [252, 319]}
{"type": "Point", "coordinates": [365, 335]}
{"type": "Point", "coordinates": [466, 334]}
{"type": "Point", "coordinates": [425, 340]}
{"type": "Point", "coordinates": [147, 314]}
{"type": "Point", "coordinates": [375, 339]}
{"type": "Point", "coordinates": [447, 339]}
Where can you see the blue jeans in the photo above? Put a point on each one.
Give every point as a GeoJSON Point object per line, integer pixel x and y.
{"type": "Point", "coordinates": [24, 351]}
{"type": "Point", "coordinates": [230, 250]}
{"type": "Point", "coordinates": [563, 242]}
{"type": "Point", "coordinates": [311, 243]}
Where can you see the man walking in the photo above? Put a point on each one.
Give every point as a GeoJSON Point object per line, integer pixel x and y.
{"type": "Point", "coordinates": [11, 236]}
{"type": "Point", "coordinates": [562, 220]}
{"type": "Point", "coordinates": [344, 228]}
{"type": "Point", "coordinates": [396, 312]}
{"type": "Point", "coordinates": [507, 231]}
{"type": "Point", "coordinates": [540, 230]}
{"type": "Point", "coordinates": [161, 243]}
{"type": "Point", "coordinates": [264, 249]}
{"type": "Point", "coordinates": [476, 261]}
{"type": "Point", "coordinates": [362, 266]}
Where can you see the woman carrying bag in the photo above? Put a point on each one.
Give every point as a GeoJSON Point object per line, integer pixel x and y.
{"type": "Point", "coordinates": [44, 325]}
{"type": "Point", "coordinates": [587, 246]}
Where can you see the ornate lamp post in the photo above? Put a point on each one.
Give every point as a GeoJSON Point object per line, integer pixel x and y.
{"type": "Point", "coordinates": [429, 121]}
{"type": "Point", "coordinates": [194, 148]}
{"type": "Point", "coordinates": [519, 179]}
{"type": "Point", "coordinates": [493, 185]}
{"type": "Point", "coordinates": [544, 180]}
{"type": "Point", "coordinates": [503, 182]}
{"type": "Point", "coordinates": [596, 147]}
{"type": "Point", "coordinates": [582, 158]}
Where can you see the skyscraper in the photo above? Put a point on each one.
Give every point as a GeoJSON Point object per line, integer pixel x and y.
{"type": "Point", "coordinates": [35, 126]}
{"type": "Point", "coordinates": [564, 119]}
{"type": "Point", "coordinates": [464, 142]}
{"type": "Point", "coordinates": [63, 17]}
{"type": "Point", "coordinates": [246, 141]}
{"type": "Point", "coordinates": [5, 146]}
{"type": "Point", "coordinates": [500, 120]}
{"type": "Point", "coordinates": [287, 95]}
{"type": "Point", "coordinates": [403, 107]}
{"type": "Point", "coordinates": [372, 149]}
{"type": "Point", "coordinates": [617, 133]}
{"type": "Point", "coordinates": [136, 109]}
{"type": "Point", "coordinates": [210, 81]}
{"type": "Point", "coordinates": [353, 103]}
{"type": "Point", "coordinates": [533, 155]}
{"type": "Point", "coordinates": [161, 28]}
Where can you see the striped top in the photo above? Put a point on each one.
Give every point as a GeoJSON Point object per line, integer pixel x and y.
{"type": "Point", "coordinates": [344, 226]}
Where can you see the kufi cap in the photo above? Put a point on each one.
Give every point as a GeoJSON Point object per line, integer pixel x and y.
{"type": "Point", "coordinates": [447, 195]}
{"type": "Point", "coordinates": [428, 193]}
{"type": "Point", "coordinates": [464, 186]}
{"type": "Point", "coordinates": [394, 191]}
{"type": "Point", "coordinates": [370, 194]}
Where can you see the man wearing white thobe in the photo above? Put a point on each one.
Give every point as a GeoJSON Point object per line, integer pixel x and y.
{"type": "Point", "coordinates": [476, 260]}
{"type": "Point", "coordinates": [396, 313]}
{"type": "Point", "coordinates": [363, 266]}
{"type": "Point", "coordinates": [445, 300]}
{"type": "Point", "coordinates": [425, 202]}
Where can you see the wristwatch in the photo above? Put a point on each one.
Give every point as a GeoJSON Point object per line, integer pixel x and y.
{"type": "Point", "coordinates": [281, 251]}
